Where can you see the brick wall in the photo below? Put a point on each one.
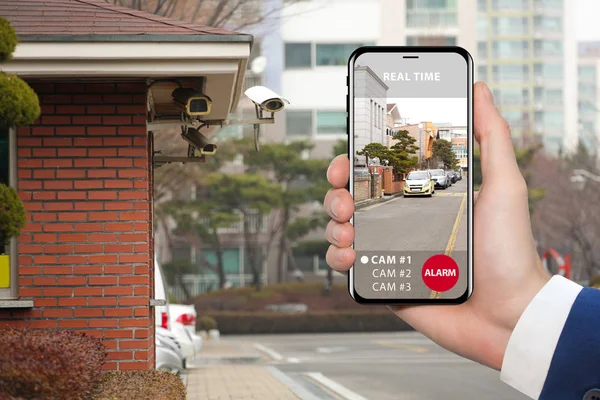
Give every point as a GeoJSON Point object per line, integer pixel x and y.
{"type": "Point", "coordinates": [86, 254]}
{"type": "Point", "coordinates": [362, 189]}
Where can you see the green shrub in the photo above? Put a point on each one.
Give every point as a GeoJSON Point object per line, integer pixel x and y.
{"type": "Point", "coordinates": [140, 385]}
{"type": "Point", "coordinates": [206, 323]}
{"type": "Point", "coordinates": [368, 320]}
{"type": "Point", "coordinates": [19, 105]}
{"type": "Point", "coordinates": [8, 40]}
{"type": "Point", "coordinates": [49, 364]}
{"type": "Point", "coordinates": [12, 215]}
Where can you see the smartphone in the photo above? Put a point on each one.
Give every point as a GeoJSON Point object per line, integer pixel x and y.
{"type": "Point", "coordinates": [410, 144]}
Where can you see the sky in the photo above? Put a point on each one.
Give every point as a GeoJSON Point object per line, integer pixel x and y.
{"type": "Point", "coordinates": [453, 111]}
{"type": "Point", "coordinates": [587, 19]}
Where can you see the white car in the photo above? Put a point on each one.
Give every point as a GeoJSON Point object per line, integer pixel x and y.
{"type": "Point", "coordinates": [163, 319]}
{"type": "Point", "coordinates": [168, 352]}
{"type": "Point", "coordinates": [182, 317]}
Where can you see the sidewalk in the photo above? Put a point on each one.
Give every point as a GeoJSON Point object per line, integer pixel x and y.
{"type": "Point", "coordinates": [226, 371]}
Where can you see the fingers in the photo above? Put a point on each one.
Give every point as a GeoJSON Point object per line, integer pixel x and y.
{"type": "Point", "coordinates": [498, 161]}
{"type": "Point", "coordinates": [339, 204]}
{"type": "Point", "coordinates": [338, 172]}
{"type": "Point", "coordinates": [340, 235]}
{"type": "Point", "coordinates": [340, 259]}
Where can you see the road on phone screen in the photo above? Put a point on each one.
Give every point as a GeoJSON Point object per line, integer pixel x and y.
{"type": "Point", "coordinates": [416, 224]}
{"type": "Point", "coordinates": [377, 366]}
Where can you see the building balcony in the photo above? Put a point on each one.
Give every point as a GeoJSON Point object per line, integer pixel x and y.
{"type": "Point", "coordinates": [431, 17]}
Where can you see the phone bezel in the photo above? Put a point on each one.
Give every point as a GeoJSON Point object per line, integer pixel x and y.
{"type": "Point", "coordinates": [350, 132]}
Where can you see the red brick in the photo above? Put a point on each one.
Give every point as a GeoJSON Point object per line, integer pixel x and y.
{"type": "Point", "coordinates": [32, 206]}
{"type": "Point", "coordinates": [119, 291]}
{"type": "Point", "coordinates": [45, 238]}
{"type": "Point", "coordinates": [58, 249]}
{"type": "Point", "coordinates": [72, 324]}
{"type": "Point", "coordinates": [70, 130]}
{"type": "Point", "coordinates": [56, 119]}
{"type": "Point", "coordinates": [134, 216]}
{"type": "Point", "coordinates": [88, 163]}
{"type": "Point", "coordinates": [72, 217]}
{"type": "Point", "coordinates": [58, 228]}
{"type": "Point", "coordinates": [133, 344]}
{"type": "Point", "coordinates": [31, 249]}
{"type": "Point", "coordinates": [101, 130]}
{"type": "Point", "coordinates": [88, 291]}
{"type": "Point", "coordinates": [44, 259]}
{"type": "Point", "coordinates": [118, 312]}
{"type": "Point", "coordinates": [133, 280]}
{"type": "Point", "coordinates": [72, 87]}
{"type": "Point", "coordinates": [88, 270]}
{"type": "Point", "coordinates": [104, 301]}
{"type": "Point", "coordinates": [103, 87]}
{"type": "Point", "coordinates": [58, 163]}
{"type": "Point", "coordinates": [58, 206]}
{"type": "Point", "coordinates": [87, 120]}
{"type": "Point", "coordinates": [141, 312]}
{"type": "Point", "coordinates": [70, 173]}
{"type": "Point", "coordinates": [118, 184]}
{"type": "Point", "coordinates": [119, 355]}
{"type": "Point", "coordinates": [30, 270]}
{"type": "Point", "coordinates": [89, 206]}
{"type": "Point", "coordinates": [131, 87]}
{"type": "Point", "coordinates": [118, 98]}
{"type": "Point", "coordinates": [88, 248]}
{"type": "Point", "coordinates": [88, 227]}
{"type": "Point", "coordinates": [56, 99]}
{"type": "Point", "coordinates": [58, 270]}
{"type": "Point", "coordinates": [45, 195]}
{"type": "Point", "coordinates": [44, 152]}
{"type": "Point", "coordinates": [42, 131]}
{"type": "Point", "coordinates": [132, 173]}
{"type": "Point", "coordinates": [70, 109]}
{"type": "Point", "coordinates": [58, 185]}
{"type": "Point", "coordinates": [30, 185]}
{"type": "Point", "coordinates": [103, 216]}
{"type": "Point", "coordinates": [88, 184]}
{"type": "Point", "coordinates": [111, 152]}
{"type": "Point", "coordinates": [72, 281]}
{"type": "Point", "coordinates": [102, 173]}
{"type": "Point", "coordinates": [33, 228]}
{"type": "Point", "coordinates": [87, 99]}
{"type": "Point", "coordinates": [139, 109]}
{"type": "Point", "coordinates": [87, 142]}
{"type": "Point", "coordinates": [47, 281]}
{"type": "Point", "coordinates": [102, 280]}
{"type": "Point", "coordinates": [42, 324]}
{"type": "Point", "coordinates": [29, 163]}
{"type": "Point", "coordinates": [102, 195]}
{"type": "Point", "coordinates": [118, 227]}
{"type": "Point", "coordinates": [57, 292]}
{"type": "Point", "coordinates": [116, 120]}
{"type": "Point", "coordinates": [117, 141]}
{"type": "Point", "coordinates": [110, 366]}
{"type": "Point", "coordinates": [113, 205]}
{"type": "Point", "coordinates": [118, 248]}
{"type": "Point", "coordinates": [142, 333]}
{"type": "Point", "coordinates": [72, 152]}
{"type": "Point", "coordinates": [29, 142]}
{"type": "Point", "coordinates": [130, 195]}
{"type": "Point", "coordinates": [58, 313]}
{"type": "Point", "coordinates": [120, 334]}
{"type": "Point", "coordinates": [103, 323]}
{"type": "Point", "coordinates": [46, 302]}
{"type": "Point", "coordinates": [110, 344]}
{"type": "Point", "coordinates": [88, 312]}
{"type": "Point", "coordinates": [71, 195]}
{"type": "Point", "coordinates": [118, 163]}
{"type": "Point", "coordinates": [72, 259]}
{"type": "Point", "coordinates": [102, 237]}
{"type": "Point", "coordinates": [140, 185]}
{"type": "Point", "coordinates": [58, 142]}
{"type": "Point", "coordinates": [141, 291]}
{"type": "Point", "coordinates": [72, 302]}
{"type": "Point", "coordinates": [133, 152]}
{"type": "Point", "coordinates": [133, 301]}
{"type": "Point", "coordinates": [31, 292]}
{"type": "Point", "coordinates": [104, 109]}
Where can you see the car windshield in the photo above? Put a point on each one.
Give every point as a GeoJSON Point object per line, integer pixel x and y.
{"type": "Point", "coordinates": [414, 176]}
{"type": "Point", "coordinates": [437, 172]}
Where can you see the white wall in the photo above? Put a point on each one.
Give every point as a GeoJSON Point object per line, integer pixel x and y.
{"type": "Point", "coordinates": [370, 109]}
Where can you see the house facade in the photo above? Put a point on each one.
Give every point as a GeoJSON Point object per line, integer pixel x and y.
{"type": "Point", "coordinates": [84, 170]}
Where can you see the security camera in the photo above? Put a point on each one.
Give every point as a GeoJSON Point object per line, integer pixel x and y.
{"type": "Point", "coordinates": [266, 99]}
{"type": "Point", "coordinates": [199, 141]}
{"type": "Point", "coordinates": [191, 101]}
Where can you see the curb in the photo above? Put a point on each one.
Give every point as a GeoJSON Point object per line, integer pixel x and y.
{"type": "Point", "coordinates": [367, 203]}
{"type": "Point", "coordinates": [296, 388]}
{"type": "Point", "coordinates": [226, 360]}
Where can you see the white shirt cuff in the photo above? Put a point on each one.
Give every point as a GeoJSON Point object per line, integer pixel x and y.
{"type": "Point", "coordinates": [533, 342]}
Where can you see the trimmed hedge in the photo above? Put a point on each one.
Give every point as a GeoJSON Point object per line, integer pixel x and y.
{"type": "Point", "coordinates": [49, 364]}
{"type": "Point", "coordinates": [8, 40]}
{"type": "Point", "coordinates": [370, 320]}
{"type": "Point", "coordinates": [19, 104]}
{"type": "Point", "coordinates": [140, 385]}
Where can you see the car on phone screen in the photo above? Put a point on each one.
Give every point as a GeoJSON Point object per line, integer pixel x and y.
{"type": "Point", "coordinates": [459, 174]}
{"type": "Point", "coordinates": [419, 183]}
{"type": "Point", "coordinates": [440, 177]}
{"type": "Point", "coordinates": [451, 176]}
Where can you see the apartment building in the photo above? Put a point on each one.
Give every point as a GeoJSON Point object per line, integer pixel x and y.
{"type": "Point", "coordinates": [527, 53]}
{"type": "Point", "coordinates": [589, 96]}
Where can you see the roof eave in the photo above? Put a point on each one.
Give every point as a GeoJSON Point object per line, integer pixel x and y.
{"type": "Point", "coordinates": [174, 38]}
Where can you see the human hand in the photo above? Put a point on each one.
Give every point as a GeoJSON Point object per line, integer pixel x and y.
{"type": "Point", "coordinates": [508, 272]}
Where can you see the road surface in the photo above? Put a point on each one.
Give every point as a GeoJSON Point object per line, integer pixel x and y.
{"type": "Point", "coordinates": [381, 366]}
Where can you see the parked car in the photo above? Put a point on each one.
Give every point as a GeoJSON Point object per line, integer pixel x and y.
{"type": "Point", "coordinates": [451, 176]}
{"type": "Point", "coordinates": [419, 183]}
{"type": "Point", "coordinates": [441, 179]}
{"type": "Point", "coordinates": [183, 320]}
{"type": "Point", "coordinates": [163, 316]}
{"type": "Point", "coordinates": [459, 174]}
{"type": "Point", "coordinates": [168, 357]}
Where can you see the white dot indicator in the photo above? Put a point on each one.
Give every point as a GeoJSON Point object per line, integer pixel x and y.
{"type": "Point", "coordinates": [364, 259]}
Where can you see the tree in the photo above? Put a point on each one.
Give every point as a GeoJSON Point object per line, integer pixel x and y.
{"type": "Point", "coordinates": [401, 156]}
{"type": "Point", "coordinates": [12, 215]}
{"type": "Point", "coordinates": [443, 154]}
{"type": "Point", "coordinates": [378, 151]}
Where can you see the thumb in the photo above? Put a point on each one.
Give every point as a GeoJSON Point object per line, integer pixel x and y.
{"type": "Point", "coordinates": [498, 161]}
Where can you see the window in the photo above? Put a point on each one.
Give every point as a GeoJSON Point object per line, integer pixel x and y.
{"type": "Point", "coordinates": [512, 5]}
{"type": "Point", "coordinates": [511, 96]}
{"type": "Point", "coordinates": [549, 71]}
{"type": "Point", "coordinates": [299, 122]}
{"type": "Point", "coordinates": [587, 73]}
{"type": "Point", "coordinates": [548, 48]}
{"type": "Point", "coordinates": [547, 24]}
{"type": "Point", "coordinates": [298, 55]}
{"type": "Point", "coordinates": [334, 54]}
{"type": "Point", "coordinates": [8, 265]}
{"type": "Point", "coordinates": [430, 40]}
{"type": "Point", "coordinates": [510, 49]}
{"type": "Point", "coordinates": [482, 26]}
{"type": "Point", "coordinates": [549, 96]}
{"type": "Point", "coordinates": [510, 25]}
{"type": "Point", "coordinates": [331, 122]}
{"type": "Point", "coordinates": [510, 73]}
{"type": "Point", "coordinates": [482, 50]}
{"type": "Point", "coordinates": [552, 119]}
{"type": "Point", "coordinates": [427, 13]}
{"type": "Point", "coordinates": [231, 260]}
{"type": "Point", "coordinates": [482, 73]}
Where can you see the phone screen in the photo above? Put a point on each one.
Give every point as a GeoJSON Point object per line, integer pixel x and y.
{"type": "Point", "coordinates": [410, 148]}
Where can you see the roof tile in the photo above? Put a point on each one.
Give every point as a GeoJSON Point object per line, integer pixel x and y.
{"type": "Point", "coordinates": [93, 17]}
